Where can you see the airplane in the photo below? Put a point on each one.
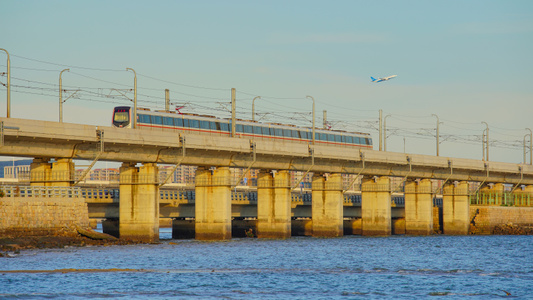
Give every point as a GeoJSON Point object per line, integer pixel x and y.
{"type": "Point", "coordinates": [382, 79]}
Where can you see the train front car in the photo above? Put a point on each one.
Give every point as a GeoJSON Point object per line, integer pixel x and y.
{"type": "Point", "coordinates": [122, 117]}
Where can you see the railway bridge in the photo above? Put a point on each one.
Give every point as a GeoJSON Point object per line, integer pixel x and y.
{"type": "Point", "coordinates": [54, 145]}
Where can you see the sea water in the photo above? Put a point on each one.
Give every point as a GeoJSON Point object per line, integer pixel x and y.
{"type": "Point", "coordinates": [351, 267]}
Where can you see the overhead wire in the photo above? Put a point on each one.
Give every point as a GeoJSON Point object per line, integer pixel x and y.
{"type": "Point", "coordinates": [346, 122]}
{"type": "Point", "coordinates": [71, 66]}
{"type": "Point", "coordinates": [185, 85]}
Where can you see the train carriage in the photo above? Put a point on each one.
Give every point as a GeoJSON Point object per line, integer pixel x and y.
{"type": "Point", "coordinates": [201, 124]}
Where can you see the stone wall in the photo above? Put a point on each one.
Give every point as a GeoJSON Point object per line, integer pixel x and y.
{"type": "Point", "coordinates": [487, 217]}
{"type": "Point", "coordinates": [42, 216]}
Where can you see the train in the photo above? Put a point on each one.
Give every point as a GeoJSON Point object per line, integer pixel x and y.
{"type": "Point", "coordinates": [203, 124]}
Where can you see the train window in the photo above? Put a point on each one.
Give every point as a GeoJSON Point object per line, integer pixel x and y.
{"type": "Point", "coordinates": [144, 119]}
{"type": "Point", "coordinates": [239, 128]}
{"type": "Point", "coordinates": [193, 124]}
{"type": "Point", "coordinates": [348, 139]}
{"type": "Point", "coordinates": [248, 129]}
{"type": "Point", "coordinates": [337, 138]}
{"type": "Point", "coordinates": [266, 131]}
{"type": "Point", "coordinates": [258, 130]}
{"type": "Point", "coordinates": [178, 122]}
{"type": "Point", "coordinates": [323, 136]}
{"type": "Point", "coordinates": [204, 124]}
{"type": "Point", "coordinates": [157, 120]}
{"type": "Point", "coordinates": [331, 137]}
{"type": "Point", "coordinates": [224, 127]}
{"type": "Point", "coordinates": [295, 133]}
{"type": "Point", "coordinates": [369, 141]}
{"type": "Point", "coordinates": [287, 133]}
{"type": "Point", "coordinates": [278, 132]}
{"type": "Point", "coordinates": [213, 126]}
{"type": "Point", "coordinates": [121, 117]}
{"type": "Point", "coordinates": [317, 136]}
{"type": "Point", "coordinates": [186, 123]}
{"type": "Point", "coordinates": [168, 121]}
{"type": "Point", "coordinates": [356, 140]}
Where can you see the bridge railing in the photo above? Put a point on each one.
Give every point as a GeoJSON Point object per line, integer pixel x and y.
{"type": "Point", "coordinates": [502, 199]}
{"type": "Point", "coordinates": [519, 199]}
{"type": "Point", "coordinates": [103, 194]}
{"type": "Point", "coordinates": [41, 191]}
{"type": "Point", "coordinates": [354, 199]}
{"type": "Point", "coordinates": [304, 198]}
{"type": "Point", "coordinates": [59, 176]}
{"type": "Point", "coordinates": [177, 195]}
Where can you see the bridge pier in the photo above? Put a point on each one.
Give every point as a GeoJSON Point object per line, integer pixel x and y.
{"type": "Point", "coordinates": [40, 170]}
{"type": "Point", "coordinates": [376, 205]}
{"type": "Point", "coordinates": [139, 202]}
{"type": "Point", "coordinates": [418, 207]}
{"type": "Point", "coordinates": [58, 173]}
{"type": "Point", "coordinates": [273, 205]}
{"type": "Point", "coordinates": [213, 204]}
{"type": "Point", "coordinates": [62, 172]}
{"type": "Point", "coordinates": [456, 208]}
{"type": "Point", "coordinates": [327, 205]}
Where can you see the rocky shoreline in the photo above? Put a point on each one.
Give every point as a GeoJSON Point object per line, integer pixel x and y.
{"type": "Point", "coordinates": [88, 237]}
{"type": "Point", "coordinates": [82, 237]}
{"type": "Point", "coordinates": [513, 229]}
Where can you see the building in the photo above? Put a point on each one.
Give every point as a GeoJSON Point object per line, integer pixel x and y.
{"type": "Point", "coordinates": [12, 170]}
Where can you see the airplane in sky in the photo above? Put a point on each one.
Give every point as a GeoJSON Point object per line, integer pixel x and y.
{"type": "Point", "coordinates": [382, 78]}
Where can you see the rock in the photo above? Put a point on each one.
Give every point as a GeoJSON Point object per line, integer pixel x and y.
{"type": "Point", "coordinates": [512, 229]}
{"type": "Point", "coordinates": [94, 235]}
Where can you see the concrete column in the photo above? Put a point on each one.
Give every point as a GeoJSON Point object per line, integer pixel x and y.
{"type": "Point", "coordinates": [213, 204]}
{"type": "Point", "coordinates": [40, 170]}
{"type": "Point", "coordinates": [327, 205]}
{"type": "Point", "coordinates": [376, 206]}
{"type": "Point", "coordinates": [418, 207]}
{"type": "Point", "coordinates": [456, 208]}
{"type": "Point", "coordinates": [62, 173]}
{"type": "Point", "coordinates": [139, 202]}
{"type": "Point", "coordinates": [273, 205]}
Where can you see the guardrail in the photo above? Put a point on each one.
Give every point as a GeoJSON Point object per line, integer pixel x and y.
{"type": "Point", "coordinates": [41, 191]}
{"type": "Point", "coordinates": [502, 199]}
{"type": "Point", "coordinates": [96, 193]}
{"type": "Point", "coordinates": [519, 199]}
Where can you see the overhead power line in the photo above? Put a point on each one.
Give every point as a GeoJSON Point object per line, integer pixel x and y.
{"type": "Point", "coordinates": [71, 66]}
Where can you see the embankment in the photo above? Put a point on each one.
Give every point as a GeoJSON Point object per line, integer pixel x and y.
{"type": "Point", "coordinates": [491, 219]}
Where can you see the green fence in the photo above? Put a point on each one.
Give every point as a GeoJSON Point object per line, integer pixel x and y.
{"type": "Point", "coordinates": [502, 199]}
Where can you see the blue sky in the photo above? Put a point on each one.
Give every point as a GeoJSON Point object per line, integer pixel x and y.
{"type": "Point", "coordinates": [466, 61]}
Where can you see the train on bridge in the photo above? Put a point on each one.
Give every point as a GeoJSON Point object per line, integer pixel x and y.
{"type": "Point", "coordinates": [164, 120]}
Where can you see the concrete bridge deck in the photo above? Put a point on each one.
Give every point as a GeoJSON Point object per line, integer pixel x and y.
{"type": "Point", "coordinates": [29, 138]}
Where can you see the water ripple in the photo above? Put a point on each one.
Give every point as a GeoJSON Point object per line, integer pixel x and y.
{"type": "Point", "coordinates": [297, 268]}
